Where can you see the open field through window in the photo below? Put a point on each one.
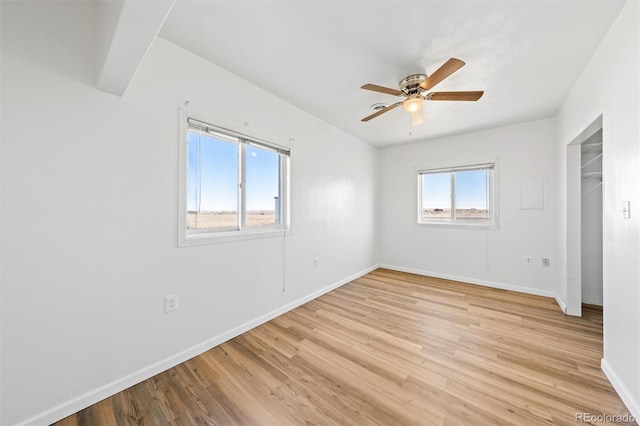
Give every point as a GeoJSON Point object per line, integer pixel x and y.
{"type": "Point", "coordinates": [233, 183]}
{"type": "Point", "coordinates": [457, 195]}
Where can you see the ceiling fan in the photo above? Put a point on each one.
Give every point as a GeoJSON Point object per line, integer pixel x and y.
{"type": "Point", "coordinates": [415, 88]}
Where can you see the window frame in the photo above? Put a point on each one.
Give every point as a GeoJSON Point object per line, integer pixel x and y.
{"type": "Point", "coordinates": [242, 231]}
{"type": "Point", "coordinates": [492, 195]}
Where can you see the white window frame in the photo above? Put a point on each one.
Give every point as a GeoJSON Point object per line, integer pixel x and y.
{"type": "Point", "coordinates": [193, 237]}
{"type": "Point", "coordinates": [492, 223]}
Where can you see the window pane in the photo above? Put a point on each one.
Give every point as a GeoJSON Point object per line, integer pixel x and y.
{"type": "Point", "coordinates": [262, 187]}
{"type": "Point", "coordinates": [472, 196]}
{"type": "Point", "coordinates": [436, 196]}
{"type": "Point", "coordinates": [212, 182]}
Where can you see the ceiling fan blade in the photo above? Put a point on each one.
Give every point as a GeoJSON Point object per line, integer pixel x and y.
{"type": "Point", "coordinates": [454, 96]}
{"type": "Point", "coordinates": [448, 68]}
{"type": "Point", "coordinates": [382, 111]}
{"type": "Point", "coordinates": [381, 89]}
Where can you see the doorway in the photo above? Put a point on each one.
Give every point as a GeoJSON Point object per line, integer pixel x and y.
{"type": "Point", "coordinates": [591, 223]}
{"type": "Point", "coordinates": [585, 156]}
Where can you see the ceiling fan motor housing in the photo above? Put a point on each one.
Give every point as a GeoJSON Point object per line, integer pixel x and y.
{"type": "Point", "coordinates": [411, 84]}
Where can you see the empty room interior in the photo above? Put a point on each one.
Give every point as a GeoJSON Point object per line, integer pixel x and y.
{"type": "Point", "coordinates": [318, 212]}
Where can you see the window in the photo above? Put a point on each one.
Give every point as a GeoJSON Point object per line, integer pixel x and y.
{"type": "Point", "coordinates": [457, 196]}
{"type": "Point", "coordinates": [233, 184]}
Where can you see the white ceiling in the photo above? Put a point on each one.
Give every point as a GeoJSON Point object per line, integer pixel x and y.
{"type": "Point", "coordinates": [525, 55]}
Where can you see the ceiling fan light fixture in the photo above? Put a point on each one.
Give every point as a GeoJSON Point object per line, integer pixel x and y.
{"type": "Point", "coordinates": [413, 103]}
{"type": "Point", "coordinates": [417, 117]}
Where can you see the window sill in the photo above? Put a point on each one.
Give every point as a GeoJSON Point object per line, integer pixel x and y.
{"type": "Point", "coordinates": [450, 225]}
{"type": "Point", "coordinates": [206, 238]}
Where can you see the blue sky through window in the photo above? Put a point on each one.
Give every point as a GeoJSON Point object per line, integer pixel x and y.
{"type": "Point", "coordinates": [212, 175]}
{"type": "Point", "coordinates": [212, 183]}
{"type": "Point", "coordinates": [436, 191]}
{"type": "Point", "coordinates": [471, 190]}
{"type": "Point", "coordinates": [263, 177]}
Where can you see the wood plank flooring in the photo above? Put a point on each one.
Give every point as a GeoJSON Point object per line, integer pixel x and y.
{"type": "Point", "coordinates": [389, 348]}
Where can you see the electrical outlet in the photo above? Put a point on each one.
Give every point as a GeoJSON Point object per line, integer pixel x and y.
{"type": "Point", "coordinates": [315, 262]}
{"type": "Point", "coordinates": [545, 262]}
{"type": "Point", "coordinates": [171, 303]}
{"type": "Point", "coordinates": [528, 260]}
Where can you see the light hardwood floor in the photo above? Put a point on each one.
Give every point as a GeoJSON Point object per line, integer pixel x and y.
{"type": "Point", "coordinates": [388, 348]}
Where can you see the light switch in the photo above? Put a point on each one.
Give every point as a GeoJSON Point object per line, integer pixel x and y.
{"type": "Point", "coordinates": [626, 209]}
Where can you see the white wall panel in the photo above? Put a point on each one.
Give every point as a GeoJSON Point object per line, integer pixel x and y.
{"type": "Point", "coordinates": [492, 257]}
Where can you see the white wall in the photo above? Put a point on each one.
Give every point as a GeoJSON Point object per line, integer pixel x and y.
{"type": "Point", "coordinates": [494, 257]}
{"type": "Point", "coordinates": [1, 186]}
{"type": "Point", "coordinates": [89, 215]}
{"type": "Point", "coordinates": [609, 86]}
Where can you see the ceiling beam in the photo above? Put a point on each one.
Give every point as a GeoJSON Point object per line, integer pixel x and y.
{"type": "Point", "coordinates": [126, 30]}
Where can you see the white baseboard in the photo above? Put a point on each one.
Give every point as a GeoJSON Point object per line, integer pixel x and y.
{"type": "Point", "coordinates": [73, 406]}
{"type": "Point", "coordinates": [633, 405]}
{"type": "Point", "coordinates": [561, 303]}
{"type": "Point", "coordinates": [492, 284]}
